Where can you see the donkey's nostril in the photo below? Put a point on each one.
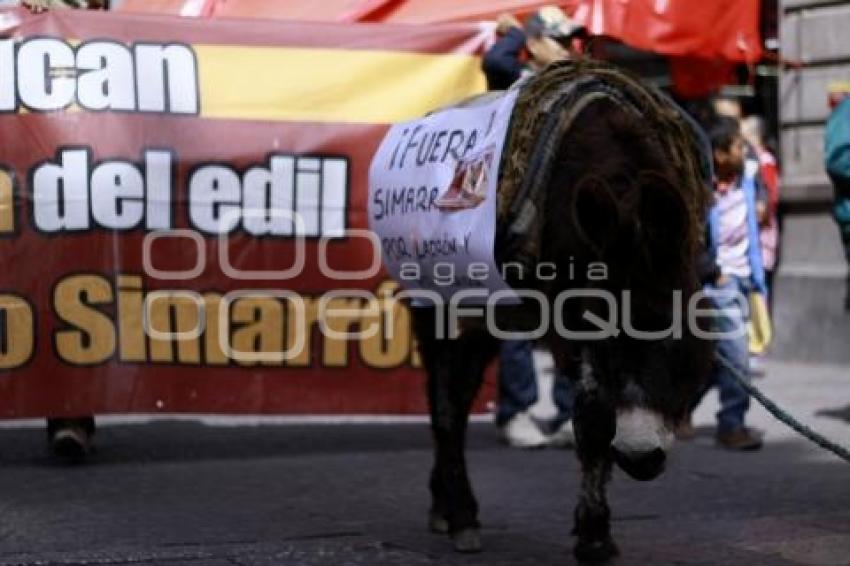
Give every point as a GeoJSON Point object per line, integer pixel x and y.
{"type": "Point", "coordinates": [655, 459]}
{"type": "Point", "coordinates": [642, 466]}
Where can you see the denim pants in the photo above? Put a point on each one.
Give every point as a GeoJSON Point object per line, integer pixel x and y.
{"type": "Point", "coordinates": [518, 384]}
{"type": "Point", "coordinates": [734, 399]}
{"type": "Point", "coordinates": [845, 239]}
{"type": "Point", "coordinates": [841, 214]}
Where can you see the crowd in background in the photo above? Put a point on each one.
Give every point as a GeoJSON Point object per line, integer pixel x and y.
{"type": "Point", "coordinates": [742, 244]}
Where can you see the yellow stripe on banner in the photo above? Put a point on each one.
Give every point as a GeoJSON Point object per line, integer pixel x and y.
{"type": "Point", "coordinates": [330, 85]}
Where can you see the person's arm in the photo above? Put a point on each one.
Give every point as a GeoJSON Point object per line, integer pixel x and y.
{"type": "Point", "coordinates": [502, 64]}
{"type": "Point", "coordinates": [770, 175]}
{"type": "Point", "coordinates": [753, 170]}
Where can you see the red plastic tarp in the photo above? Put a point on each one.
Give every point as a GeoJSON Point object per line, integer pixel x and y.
{"type": "Point", "coordinates": [389, 11]}
{"type": "Point", "coordinates": [719, 29]}
{"type": "Point", "coordinates": [435, 11]}
{"type": "Point", "coordinates": [323, 10]}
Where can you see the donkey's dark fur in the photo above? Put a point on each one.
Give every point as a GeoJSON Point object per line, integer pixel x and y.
{"type": "Point", "coordinates": [612, 198]}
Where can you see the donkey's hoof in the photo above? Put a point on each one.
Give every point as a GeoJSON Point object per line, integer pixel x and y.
{"type": "Point", "coordinates": [437, 523]}
{"type": "Point", "coordinates": [467, 540]}
{"type": "Point", "coordinates": [595, 551]}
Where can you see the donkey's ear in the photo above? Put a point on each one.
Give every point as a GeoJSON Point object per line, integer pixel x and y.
{"type": "Point", "coordinates": [664, 218]}
{"type": "Point", "coordinates": [595, 213]}
{"type": "Point", "coordinates": [663, 210]}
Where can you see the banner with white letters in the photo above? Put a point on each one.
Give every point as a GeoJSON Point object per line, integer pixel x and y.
{"type": "Point", "coordinates": [183, 211]}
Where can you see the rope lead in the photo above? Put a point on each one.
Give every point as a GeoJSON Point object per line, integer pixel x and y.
{"type": "Point", "coordinates": [782, 415]}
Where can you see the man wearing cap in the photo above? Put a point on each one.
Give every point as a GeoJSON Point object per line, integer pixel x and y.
{"type": "Point", "coordinates": [837, 158]}
{"type": "Point", "coordinates": [548, 36]}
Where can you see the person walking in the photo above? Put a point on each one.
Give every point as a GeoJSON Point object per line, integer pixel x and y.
{"type": "Point", "coordinates": [837, 163]}
{"type": "Point", "coordinates": [734, 242]}
{"type": "Point", "coordinates": [547, 36]}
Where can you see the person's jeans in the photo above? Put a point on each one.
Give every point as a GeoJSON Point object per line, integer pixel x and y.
{"type": "Point", "coordinates": [845, 239]}
{"type": "Point", "coordinates": [518, 384]}
{"type": "Point", "coordinates": [734, 399]}
{"type": "Point", "coordinates": [841, 214]}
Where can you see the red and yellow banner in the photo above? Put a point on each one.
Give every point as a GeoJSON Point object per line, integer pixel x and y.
{"type": "Point", "coordinates": [182, 205]}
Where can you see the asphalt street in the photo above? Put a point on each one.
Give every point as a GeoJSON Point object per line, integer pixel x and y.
{"type": "Point", "coordinates": [224, 492]}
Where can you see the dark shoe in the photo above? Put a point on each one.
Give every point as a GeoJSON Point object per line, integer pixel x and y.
{"type": "Point", "coordinates": [685, 430]}
{"type": "Point", "coordinates": [743, 438]}
{"type": "Point", "coordinates": [71, 443]}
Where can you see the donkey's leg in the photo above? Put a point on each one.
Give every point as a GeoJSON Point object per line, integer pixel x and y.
{"type": "Point", "coordinates": [595, 426]}
{"type": "Point", "coordinates": [455, 369]}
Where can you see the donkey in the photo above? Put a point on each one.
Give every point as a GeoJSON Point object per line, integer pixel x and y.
{"type": "Point", "coordinates": [611, 174]}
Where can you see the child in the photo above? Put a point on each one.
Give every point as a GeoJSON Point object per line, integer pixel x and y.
{"type": "Point", "coordinates": [734, 238]}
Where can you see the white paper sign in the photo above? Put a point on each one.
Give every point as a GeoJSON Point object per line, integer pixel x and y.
{"type": "Point", "coordinates": [432, 198]}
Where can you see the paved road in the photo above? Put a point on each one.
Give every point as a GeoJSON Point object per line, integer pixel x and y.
{"type": "Point", "coordinates": [190, 493]}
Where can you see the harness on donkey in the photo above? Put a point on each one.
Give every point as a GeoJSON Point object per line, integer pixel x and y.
{"type": "Point", "coordinates": [545, 111]}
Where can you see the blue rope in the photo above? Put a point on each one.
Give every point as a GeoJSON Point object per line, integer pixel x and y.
{"type": "Point", "coordinates": [782, 415]}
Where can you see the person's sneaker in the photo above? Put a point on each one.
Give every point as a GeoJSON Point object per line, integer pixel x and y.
{"type": "Point", "coordinates": [522, 432]}
{"type": "Point", "coordinates": [743, 438]}
{"type": "Point", "coordinates": [563, 437]}
{"type": "Point", "coordinates": [71, 443]}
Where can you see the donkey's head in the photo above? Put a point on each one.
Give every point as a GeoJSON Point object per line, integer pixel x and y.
{"type": "Point", "coordinates": [620, 200]}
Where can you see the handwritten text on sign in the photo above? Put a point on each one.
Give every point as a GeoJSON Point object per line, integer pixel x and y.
{"type": "Point", "coordinates": [432, 197]}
